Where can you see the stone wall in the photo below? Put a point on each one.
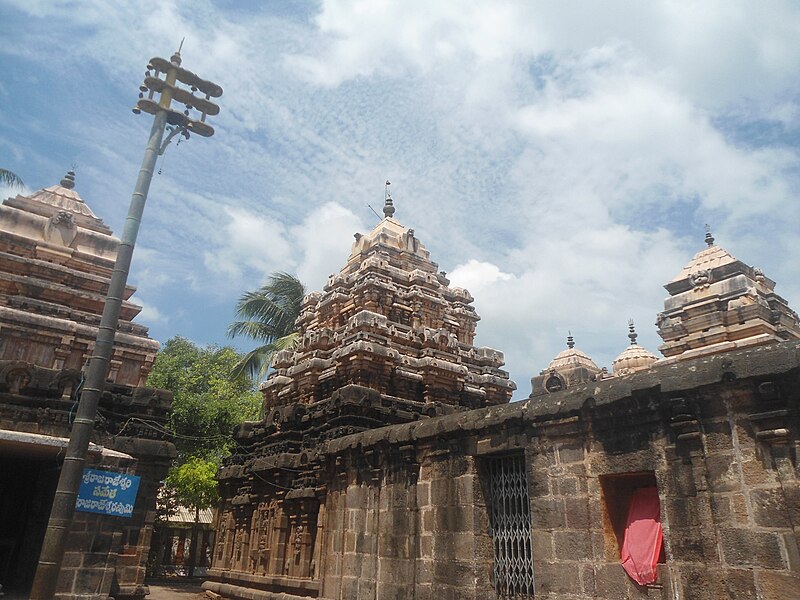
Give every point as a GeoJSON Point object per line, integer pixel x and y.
{"type": "Point", "coordinates": [106, 555]}
{"type": "Point", "coordinates": [401, 512]}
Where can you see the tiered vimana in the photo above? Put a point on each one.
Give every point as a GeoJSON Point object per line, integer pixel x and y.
{"type": "Point", "coordinates": [387, 342]}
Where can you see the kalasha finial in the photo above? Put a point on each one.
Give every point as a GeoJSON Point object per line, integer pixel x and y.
{"type": "Point", "coordinates": [69, 180]}
{"type": "Point", "coordinates": [388, 205]}
{"type": "Point", "coordinates": [570, 341]}
{"type": "Point", "coordinates": [176, 58]}
{"type": "Point", "coordinates": [709, 237]}
{"type": "Point", "coordinates": [632, 335]}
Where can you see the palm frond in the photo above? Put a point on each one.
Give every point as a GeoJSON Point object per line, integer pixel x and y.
{"type": "Point", "coordinates": [10, 178]}
{"type": "Point", "coordinates": [268, 315]}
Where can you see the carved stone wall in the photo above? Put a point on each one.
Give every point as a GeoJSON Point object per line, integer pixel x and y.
{"type": "Point", "coordinates": [374, 473]}
{"type": "Point", "coordinates": [718, 303]}
{"type": "Point", "coordinates": [56, 259]}
{"type": "Point", "coordinates": [106, 556]}
{"type": "Point", "coordinates": [401, 512]}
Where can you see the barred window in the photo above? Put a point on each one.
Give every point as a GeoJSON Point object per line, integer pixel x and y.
{"type": "Point", "coordinates": [510, 526]}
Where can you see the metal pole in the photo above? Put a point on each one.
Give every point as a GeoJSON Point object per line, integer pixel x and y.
{"type": "Point", "coordinates": [63, 511]}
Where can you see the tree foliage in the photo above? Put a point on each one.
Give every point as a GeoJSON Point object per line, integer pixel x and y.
{"type": "Point", "coordinates": [193, 484]}
{"type": "Point", "coordinates": [10, 178]}
{"type": "Point", "coordinates": [268, 316]}
{"type": "Point", "coordinates": [208, 401]}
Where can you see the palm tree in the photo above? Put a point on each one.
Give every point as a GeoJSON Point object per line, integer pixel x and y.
{"type": "Point", "coordinates": [268, 316]}
{"type": "Point", "coordinates": [10, 178]}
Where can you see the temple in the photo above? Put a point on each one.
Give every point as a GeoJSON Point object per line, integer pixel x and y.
{"type": "Point", "coordinates": [55, 267]}
{"type": "Point", "coordinates": [390, 463]}
{"type": "Point", "coordinates": [56, 259]}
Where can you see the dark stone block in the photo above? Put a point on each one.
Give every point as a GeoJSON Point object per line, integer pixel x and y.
{"type": "Point", "coordinates": [577, 511]}
{"type": "Point", "coordinates": [572, 545]}
{"type": "Point", "coordinates": [723, 475]}
{"type": "Point", "coordinates": [570, 453]}
{"type": "Point", "coordinates": [687, 544]}
{"type": "Point", "coordinates": [778, 586]}
{"type": "Point", "coordinates": [547, 513]}
{"type": "Point", "coordinates": [740, 584]}
{"type": "Point", "coordinates": [94, 559]}
{"type": "Point", "coordinates": [610, 581]}
{"type": "Point", "coordinates": [568, 486]}
{"type": "Point", "coordinates": [556, 578]}
{"type": "Point", "coordinates": [702, 583]}
{"type": "Point", "coordinates": [743, 547]}
{"type": "Point", "coordinates": [769, 508]}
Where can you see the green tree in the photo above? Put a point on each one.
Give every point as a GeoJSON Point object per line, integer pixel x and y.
{"type": "Point", "coordinates": [10, 178]}
{"type": "Point", "coordinates": [193, 484]}
{"type": "Point", "coordinates": [268, 316]}
{"type": "Point", "coordinates": [208, 401]}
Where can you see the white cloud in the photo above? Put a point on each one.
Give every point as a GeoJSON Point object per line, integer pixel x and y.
{"type": "Point", "coordinates": [477, 276]}
{"type": "Point", "coordinates": [324, 239]}
{"type": "Point", "coordinates": [150, 313]}
{"type": "Point", "coordinates": [563, 156]}
{"type": "Point", "coordinates": [249, 242]}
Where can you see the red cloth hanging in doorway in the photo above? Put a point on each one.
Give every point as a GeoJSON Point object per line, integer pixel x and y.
{"type": "Point", "coordinates": [643, 536]}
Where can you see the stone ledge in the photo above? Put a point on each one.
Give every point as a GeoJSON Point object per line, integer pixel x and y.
{"type": "Point", "coordinates": [296, 584]}
{"type": "Point", "coordinates": [773, 359]}
{"type": "Point", "coordinates": [238, 592]}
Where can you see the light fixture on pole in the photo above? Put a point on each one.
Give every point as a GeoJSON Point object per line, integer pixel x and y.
{"type": "Point", "coordinates": [168, 89]}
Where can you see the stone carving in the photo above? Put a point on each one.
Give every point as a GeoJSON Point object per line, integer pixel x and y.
{"type": "Point", "coordinates": [739, 310]}
{"type": "Point", "coordinates": [701, 278]}
{"type": "Point", "coordinates": [387, 341]}
{"type": "Point", "coordinates": [61, 228]}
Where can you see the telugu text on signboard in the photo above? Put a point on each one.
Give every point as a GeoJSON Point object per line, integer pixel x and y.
{"type": "Point", "coordinates": [107, 493]}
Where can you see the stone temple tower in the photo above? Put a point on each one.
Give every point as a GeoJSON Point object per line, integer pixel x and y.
{"type": "Point", "coordinates": [388, 341]}
{"type": "Point", "coordinates": [718, 303]}
{"type": "Point", "coordinates": [56, 258]}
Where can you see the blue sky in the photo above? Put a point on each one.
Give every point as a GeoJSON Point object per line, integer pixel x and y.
{"type": "Point", "coordinates": [559, 160]}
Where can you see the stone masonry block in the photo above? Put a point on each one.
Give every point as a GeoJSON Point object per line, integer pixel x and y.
{"type": "Point", "coordinates": [423, 493]}
{"type": "Point", "coordinates": [769, 508]}
{"type": "Point", "coordinates": [556, 578]}
{"type": "Point", "coordinates": [577, 512]}
{"type": "Point", "coordinates": [542, 545]}
{"type": "Point", "coordinates": [740, 584]}
{"type": "Point", "coordinates": [778, 586]}
{"type": "Point", "coordinates": [570, 453]}
{"type": "Point", "coordinates": [547, 513]}
{"type": "Point", "coordinates": [723, 473]}
{"type": "Point", "coordinates": [742, 547]}
{"type": "Point", "coordinates": [572, 545]}
{"type": "Point", "coordinates": [568, 486]}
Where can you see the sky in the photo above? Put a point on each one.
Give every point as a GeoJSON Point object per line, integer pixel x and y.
{"type": "Point", "coordinates": [559, 159]}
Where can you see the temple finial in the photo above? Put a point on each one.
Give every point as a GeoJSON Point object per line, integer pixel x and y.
{"type": "Point", "coordinates": [68, 180]}
{"type": "Point", "coordinates": [632, 335]}
{"type": "Point", "coordinates": [570, 341]}
{"type": "Point", "coordinates": [709, 237]}
{"type": "Point", "coordinates": [176, 58]}
{"type": "Point", "coordinates": [388, 205]}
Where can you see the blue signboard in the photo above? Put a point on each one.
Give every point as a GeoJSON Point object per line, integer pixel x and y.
{"type": "Point", "coordinates": [107, 493]}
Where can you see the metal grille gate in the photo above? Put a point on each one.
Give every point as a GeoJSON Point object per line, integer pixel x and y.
{"type": "Point", "coordinates": [510, 522]}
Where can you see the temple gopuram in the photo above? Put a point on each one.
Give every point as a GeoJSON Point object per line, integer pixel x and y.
{"type": "Point", "coordinates": [391, 465]}
{"type": "Point", "coordinates": [56, 258]}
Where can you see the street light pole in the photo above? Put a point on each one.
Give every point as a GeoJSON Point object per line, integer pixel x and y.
{"type": "Point", "coordinates": [63, 510]}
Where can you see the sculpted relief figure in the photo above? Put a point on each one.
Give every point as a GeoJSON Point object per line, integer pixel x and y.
{"type": "Point", "coordinates": [61, 228]}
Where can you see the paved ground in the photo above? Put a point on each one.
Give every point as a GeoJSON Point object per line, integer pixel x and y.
{"type": "Point", "coordinates": [176, 589]}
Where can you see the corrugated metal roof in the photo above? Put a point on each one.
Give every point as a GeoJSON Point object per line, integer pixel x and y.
{"type": "Point", "coordinates": [186, 515]}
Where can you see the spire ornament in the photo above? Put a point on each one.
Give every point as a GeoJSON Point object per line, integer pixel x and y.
{"type": "Point", "coordinates": [632, 335]}
{"type": "Point", "coordinates": [68, 181]}
{"type": "Point", "coordinates": [570, 340]}
{"type": "Point", "coordinates": [388, 205]}
{"type": "Point", "coordinates": [709, 237]}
